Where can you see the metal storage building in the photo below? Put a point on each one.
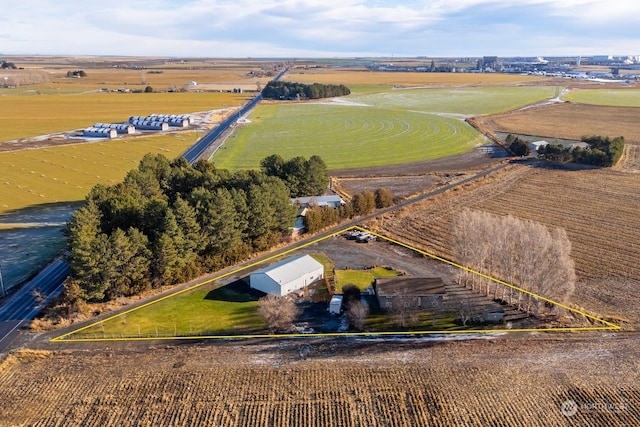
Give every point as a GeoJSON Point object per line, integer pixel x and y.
{"type": "Point", "coordinates": [124, 128]}
{"type": "Point", "coordinates": [149, 125]}
{"type": "Point", "coordinates": [100, 132]}
{"type": "Point", "coordinates": [286, 276]}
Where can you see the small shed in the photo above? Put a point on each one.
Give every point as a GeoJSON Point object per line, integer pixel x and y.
{"type": "Point", "coordinates": [335, 305]}
{"type": "Point", "coordinates": [286, 276]}
{"type": "Point", "coordinates": [419, 292]}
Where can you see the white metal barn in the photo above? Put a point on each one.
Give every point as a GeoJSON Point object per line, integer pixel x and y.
{"type": "Point", "coordinates": [100, 133]}
{"type": "Point", "coordinates": [286, 276]}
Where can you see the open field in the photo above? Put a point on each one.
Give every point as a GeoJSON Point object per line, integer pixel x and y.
{"type": "Point", "coordinates": [363, 76]}
{"type": "Point", "coordinates": [24, 116]}
{"type": "Point", "coordinates": [348, 383]}
{"type": "Point", "coordinates": [126, 73]}
{"type": "Point", "coordinates": [611, 97]}
{"type": "Point", "coordinates": [459, 101]}
{"type": "Point", "coordinates": [569, 121]}
{"type": "Point", "coordinates": [598, 208]}
{"type": "Point", "coordinates": [67, 173]}
{"type": "Point", "coordinates": [344, 136]}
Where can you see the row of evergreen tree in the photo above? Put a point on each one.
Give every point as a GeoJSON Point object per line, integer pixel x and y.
{"type": "Point", "coordinates": [168, 222]}
{"type": "Point", "coordinates": [602, 151]}
{"type": "Point", "coordinates": [293, 90]}
{"type": "Point", "coordinates": [303, 177]}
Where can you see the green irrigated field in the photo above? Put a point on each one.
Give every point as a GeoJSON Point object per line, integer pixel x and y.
{"type": "Point", "coordinates": [612, 97]}
{"type": "Point", "coordinates": [345, 136]}
{"type": "Point", "coordinates": [23, 116]}
{"type": "Point", "coordinates": [456, 100]}
{"type": "Point", "coordinates": [67, 173]}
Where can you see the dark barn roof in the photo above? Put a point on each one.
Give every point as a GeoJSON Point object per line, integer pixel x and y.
{"type": "Point", "coordinates": [409, 286]}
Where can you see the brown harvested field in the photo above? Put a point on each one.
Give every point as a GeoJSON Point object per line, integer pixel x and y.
{"type": "Point", "coordinates": [630, 161]}
{"type": "Point", "coordinates": [598, 208]}
{"type": "Point", "coordinates": [501, 382]}
{"type": "Point", "coordinates": [364, 76]}
{"type": "Point", "coordinates": [569, 121]}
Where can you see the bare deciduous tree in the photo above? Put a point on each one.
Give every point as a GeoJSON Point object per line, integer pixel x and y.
{"type": "Point", "coordinates": [278, 312]}
{"type": "Point", "coordinates": [357, 315]}
{"type": "Point", "coordinates": [521, 252]}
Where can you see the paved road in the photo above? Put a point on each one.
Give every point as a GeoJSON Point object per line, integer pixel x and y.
{"type": "Point", "coordinates": [200, 147]}
{"type": "Point", "coordinates": [25, 304]}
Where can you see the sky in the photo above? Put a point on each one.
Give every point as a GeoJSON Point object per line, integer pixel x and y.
{"type": "Point", "coordinates": [320, 28]}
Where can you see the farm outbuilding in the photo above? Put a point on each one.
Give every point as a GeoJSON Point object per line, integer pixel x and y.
{"type": "Point", "coordinates": [175, 120]}
{"type": "Point", "coordinates": [121, 128]}
{"type": "Point", "coordinates": [149, 125]}
{"type": "Point", "coordinates": [289, 275]}
{"type": "Point", "coordinates": [420, 292]}
{"type": "Point", "coordinates": [100, 132]}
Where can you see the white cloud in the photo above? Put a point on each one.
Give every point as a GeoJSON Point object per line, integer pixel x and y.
{"type": "Point", "coordinates": [319, 27]}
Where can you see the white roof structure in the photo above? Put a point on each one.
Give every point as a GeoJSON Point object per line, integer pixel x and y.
{"type": "Point", "coordinates": [535, 145]}
{"type": "Point", "coordinates": [289, 269]}
{"type": "Point", "coordinates": [288, 275]}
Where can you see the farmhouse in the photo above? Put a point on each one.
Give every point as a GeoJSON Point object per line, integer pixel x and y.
{"type": "Point", "coordinates": [286, 276]}
{"type": "Point", "coordinates": [303, 203]}
{"type": "Point", "coordinates": [333, 201]}
{"type": "Point", "coordinates": [535, 145]}
{"type": "Point", "coordinates": [419, 292]}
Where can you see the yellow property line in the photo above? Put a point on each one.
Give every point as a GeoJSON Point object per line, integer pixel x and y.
{"type": "Point", "coordinates": [609, 325]}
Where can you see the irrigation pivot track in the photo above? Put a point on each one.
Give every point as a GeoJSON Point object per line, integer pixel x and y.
{"type": "Point", "coordinates": [194, 153]}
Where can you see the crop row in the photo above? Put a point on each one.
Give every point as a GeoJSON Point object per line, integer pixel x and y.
{"type": "Point", "coordinates": [114, 389]}
{"type": "Point", "coordinates": [597, 208]}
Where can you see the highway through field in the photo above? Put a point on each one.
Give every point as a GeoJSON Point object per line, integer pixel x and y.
{"type": "Point", "coordinates": [25, 304]}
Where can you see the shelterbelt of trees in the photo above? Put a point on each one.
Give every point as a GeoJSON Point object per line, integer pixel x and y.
{"type": "Point", "coordinates": [168, 222]}
{"type": "Point", "coordinates": [602, 151]}
{"type": "Point", "coordinates": [292, 90]}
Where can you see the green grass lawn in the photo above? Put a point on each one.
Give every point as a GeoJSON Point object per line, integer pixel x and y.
{"type": "Point", "coordinates": [361, 278]}
{"type": "Point", "coordinates": [612, 97]}
{"type": "Point", "coordinates": [345, 136]}
{"type": "Point", "coordinates": [199, 312]}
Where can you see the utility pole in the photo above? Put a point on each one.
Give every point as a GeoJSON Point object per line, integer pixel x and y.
{"type": "Point", "coordinates": [4, 293]}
